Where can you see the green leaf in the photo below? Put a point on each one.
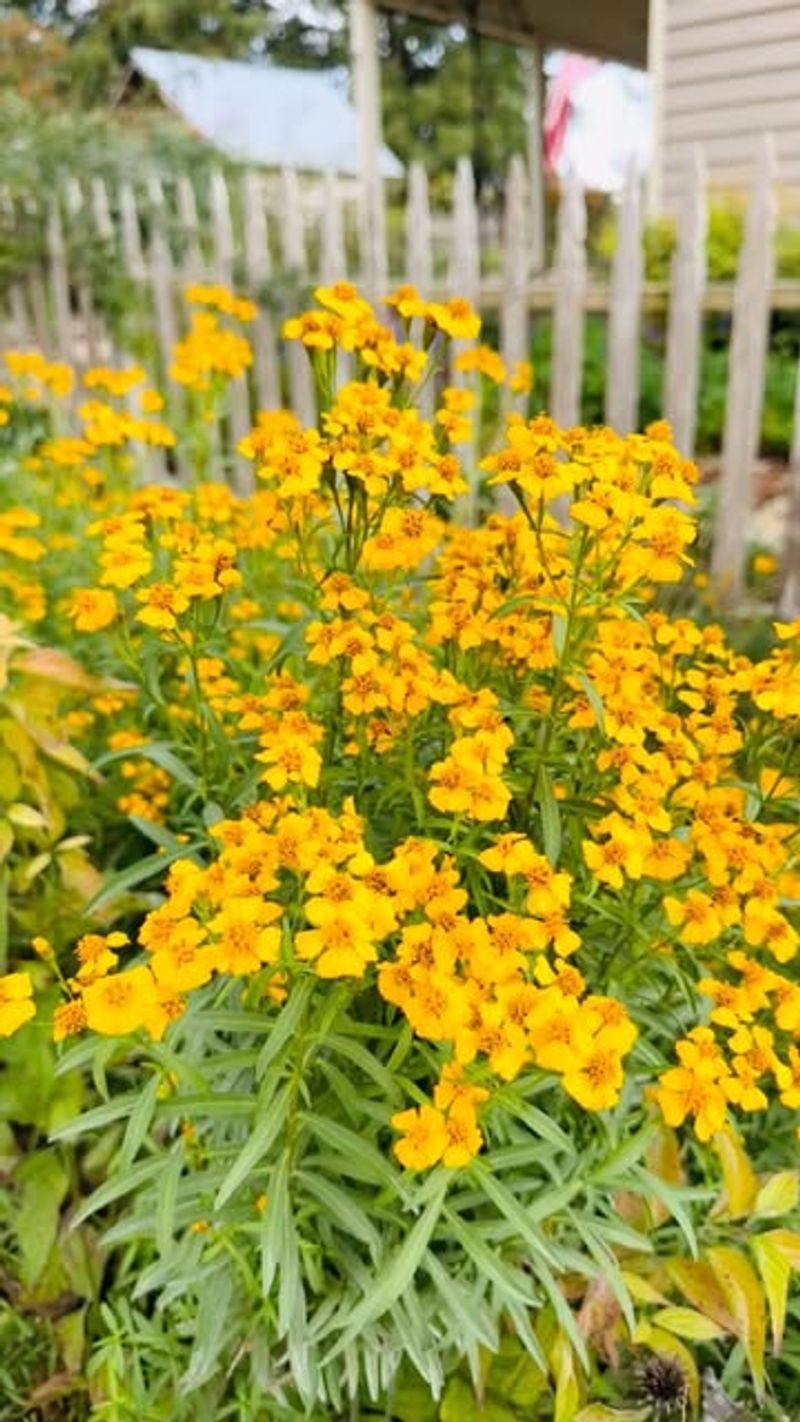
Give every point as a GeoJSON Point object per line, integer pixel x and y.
{"type": "Point", "coordinates": [342, 1207]}
{"type": "Point", "coordinates": [42, 1181]}
{"type": "Point", "coordinates": [159, 754]}
{"type": "Point", "coordinates": [266, 1128]}
{"type": "Point", "coordinates": [512, 1284]}
{"type": "Point", "coordinates": [286, 1025]}
{"type": "Point", "coordinates": [139, 1122]}
{"type": "Point", "coordinates": [116, 885]}
{"type": "Point", "coordinates": [97, 1118]}
{"type": "Point", "coordinates": [522, 1217]}
{"type": "Point", "coordinates": [551, 818]}
{"type": "Point", "coordinates": [395, 1276]}
{"type": "Point", "coordinates": [774, 1269]}
{"type": "Point", "coordinates": [164, 1223]}
{"type": "Point", "coordinates": [121, 1184]}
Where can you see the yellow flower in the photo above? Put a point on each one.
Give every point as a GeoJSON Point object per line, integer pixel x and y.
{"type": "Point", "coordinates": [425, 1137]}
{"type": "Point", "coordinates": [92, 609]}
{"type": "Point", "coordinates": [121, 1003]}
{"type": "Point", "coordinates": [16, 1007]}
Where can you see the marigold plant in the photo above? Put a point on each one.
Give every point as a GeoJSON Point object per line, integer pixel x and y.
{"type": "Point", "coordinates": [474, 949]}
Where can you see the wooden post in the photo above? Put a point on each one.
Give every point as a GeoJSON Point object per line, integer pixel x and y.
{"type": "Point", "coordinates": [514, 312]}
{"type": "Point", "coordinates": [748, 353]}
{"type": "Point", "coordinates": [295, 261]}
{"type": "Point", "coordinates": [622, 366]}
{"type": "Point", "coordinates": [532, 60]}
{"type": "Point", "coordinates": [367, 95]}
{"type": "Point", "coordinates": [656, 62]}
{"type": "Point", "coordinates": [685, 321]}
{"type": "Point", "coordinates": [570, 291]}
{"type": "Point", "coordinates": [259, 271]}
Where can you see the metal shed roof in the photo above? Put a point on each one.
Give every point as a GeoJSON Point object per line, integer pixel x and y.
{"type": "Point", "coordinates": [259, 113]}
{"type": "Point", "coordinates": [615, 29]}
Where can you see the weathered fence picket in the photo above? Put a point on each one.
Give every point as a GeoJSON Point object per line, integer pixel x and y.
{"type": "Point", "coordinates": [748, 353]}
{"type": "Point", "coordinates": [685, 324]}
{"type": "Point", "coordinates": [567, 365]}
{"type": "Point", "coordinates": [258, 265]}
{"type": "Point", "coordinates": [164, 244]}
{"type": "Point", "coordinates": [624, 317]}
{"type": "Point", "coordinates": [192, 263]}
{"type": "Point", "coordinates": [295, 259]}
{"type": "Point", "coordinates": [419, 241]}
{"type": "Point", "coordinates": [224, 247]}
{"type": "Point", "coordinates": [59, 281]}
{"type": "Point", "coordinates": [162, 274]}
{"type": "Point", "coordinates": [514, 339]}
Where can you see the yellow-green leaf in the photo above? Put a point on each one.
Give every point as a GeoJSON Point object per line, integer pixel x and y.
{"type": "Point", "coordinates": [688, 1323]}
{"type": "Point", "coordinates": [699, 1284]}
{"type": "Point", "coordinates": [741, 1185]}
{"type": "Point", "coordinates": [774, 1268]}
{"type": "Point", "coordinates": [562, 1362]}
{"type": "Point", "coordinates": [788, 1241]}
{"type": "Point", "coordinates": [745, 1298]}
{"type": "Point", "coordinates": [641, 1289]}
{"type": "Point", "coordinates": [598, 1412]}
{"type": "Point", "coordinates": [778, 1195]}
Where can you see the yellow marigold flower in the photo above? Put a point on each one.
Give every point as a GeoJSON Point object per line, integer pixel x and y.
{"type": "Point", "coordinates": [16, 1006]}
{"type": "Point", "coordinates": [456, 318]}
{"type": "Point", "coordinates": [162, 605]}
{"type": "Point", "coordinates": [92, 609]}
{"type": "Point", "coordinates": [121, 1003]}
{"type": "Point", "coordinates": [69, 1019]}
{"type": "Point", "coordinates": [424, 1137]}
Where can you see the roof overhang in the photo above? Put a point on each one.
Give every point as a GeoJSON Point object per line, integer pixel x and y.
{"type": "Point", "coordinates": [614, 30]}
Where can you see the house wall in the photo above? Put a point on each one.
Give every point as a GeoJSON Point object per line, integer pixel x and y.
{"type": "Point", "coordinates": [731, 73]}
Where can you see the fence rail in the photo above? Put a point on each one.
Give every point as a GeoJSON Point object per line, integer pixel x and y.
{"type": "Point", "coordinates": [274, 236]}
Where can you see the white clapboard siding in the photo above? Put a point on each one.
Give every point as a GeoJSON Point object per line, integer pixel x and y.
{"type": "Point", "coordinates": [624, 321]}
{"type": "Point", "coordinates": [568, 318]}
{"type": "Point", "coordinates": [748, 352]}
{"type": "Point", "coordinates": [685, 324]}
{"type": "Point", "coordinates": [293, 244]}
{"type": "Point", "coordinates": [224, 259]}
{"type": "Point", "coordinates": [258, 264]}
{"type": "Point", "coordinates": [514, 344]}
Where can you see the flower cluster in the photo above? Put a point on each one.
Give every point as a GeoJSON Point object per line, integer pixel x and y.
{"type": "Point", "coordinates": [477, 773]}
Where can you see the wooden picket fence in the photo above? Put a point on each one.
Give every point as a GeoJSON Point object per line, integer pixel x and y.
{"type": "Point", "coordinates": [274, 237]}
